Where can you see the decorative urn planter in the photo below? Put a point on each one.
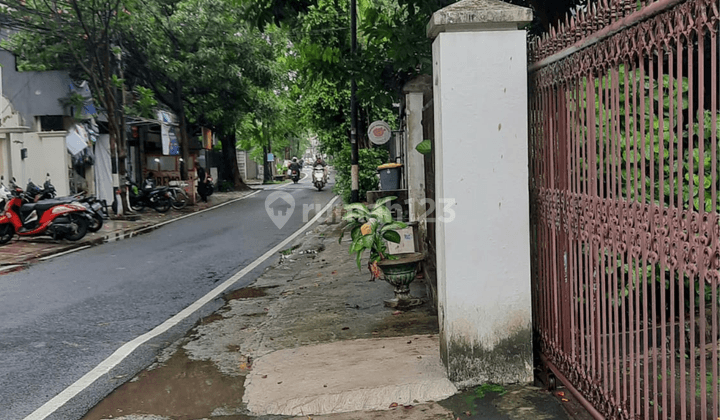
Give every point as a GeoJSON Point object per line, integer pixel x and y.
{"type": "Point", "coordinates": [400, 273]}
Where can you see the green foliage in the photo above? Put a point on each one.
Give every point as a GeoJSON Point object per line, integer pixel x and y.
{"type": "Point", "coordinates": [370, 229]}
{"type": "Point", "coordinates": [666, 145]}
{"type": "Point", "coordinates": [145, 104]}
{"type": "Point", "coordinates": [485, 388]}
{"type": "Point", "coordinates": [424, 147]}
{"type": "Point", "coordinates": [74, 35]}
{"type": "Point", "coordinates": [368, 160]}
{"type": "Point", "coordinates": [75, 102]}
{"type": "Point", "coordinates": [656, 145]}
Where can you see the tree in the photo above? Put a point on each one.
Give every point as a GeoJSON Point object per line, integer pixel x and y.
{"type": "Point", "coordinates": [209, 74]}
{"type": "Point", "coordinates": [81, 36]}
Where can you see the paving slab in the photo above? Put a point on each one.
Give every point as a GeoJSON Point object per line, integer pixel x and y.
{"type": "Point", "coordinates": [356, 375]}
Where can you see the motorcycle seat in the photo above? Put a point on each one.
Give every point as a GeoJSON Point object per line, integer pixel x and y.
{"type": "Point", "coordinates": [41, 206]}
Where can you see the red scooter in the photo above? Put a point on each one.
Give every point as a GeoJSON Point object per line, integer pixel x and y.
{"type": "Point", "coordinates": [58, 219]}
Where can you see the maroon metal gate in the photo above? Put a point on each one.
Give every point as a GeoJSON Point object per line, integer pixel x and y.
{"type": "Point", "coordinates": [624, 124]}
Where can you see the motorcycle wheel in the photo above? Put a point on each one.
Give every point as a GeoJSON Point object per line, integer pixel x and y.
{"type": "Point", "coordinates": [319, 187]}
{"type": "Point", "coordinates": [6, 233]}
{"type": "Point", "coordinates": [137, 206]}
{"type": "Point", "coordinates": [179, 199]}
{"type": "Point", "coordinates": [96, 223]}
{"type": "Point", "coordinates": [163, 205]}
{"type": "Point", "coordinates": [82, 227]}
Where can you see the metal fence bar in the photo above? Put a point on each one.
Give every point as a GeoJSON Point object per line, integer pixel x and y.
{"type": "Point", "coordinates": [625, 222]}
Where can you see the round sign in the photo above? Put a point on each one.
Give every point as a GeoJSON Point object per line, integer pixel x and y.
{"type": "Point", "coordinates": [379, 132]}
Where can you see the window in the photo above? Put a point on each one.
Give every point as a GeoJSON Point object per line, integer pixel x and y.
{"type": "Point", "coordinates": [161, 163]}
{"type": "Point", "coordinates": [51, 123]}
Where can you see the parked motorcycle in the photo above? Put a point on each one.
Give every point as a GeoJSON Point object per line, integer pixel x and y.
{"type": "Point", "coordinates": [158, 198]}
{"type": "Point", "coordinates": [57, 219]}
{"type": "Point", "coordinates": [4, 193]}
{"type": "Point", "coordinates": [318, 177]}
{"type": "Point", "coordinates": [177, 192]}
{"type": "Point", "coordinates": [95, 207]}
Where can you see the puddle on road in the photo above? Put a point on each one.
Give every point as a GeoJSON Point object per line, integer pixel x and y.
{"type": "Point", "coordinates": [182, 389]}
{"type": "Point", "coordinates": [245, 293]}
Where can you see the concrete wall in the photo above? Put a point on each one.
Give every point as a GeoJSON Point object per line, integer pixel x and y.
{"type": "Point", "coordinates": [33, 92]}
{"type": "Point", "coordinates": [483, 253]}
{"type": "Point", "coordinates": [25, 95]}
{"type": "Point", "coordinates": [46, 153]}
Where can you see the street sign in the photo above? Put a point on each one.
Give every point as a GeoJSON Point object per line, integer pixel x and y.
{"type": "Point", "coordinates": [379, 132]}
{"type": "Point", "coordinates": [271, 157]}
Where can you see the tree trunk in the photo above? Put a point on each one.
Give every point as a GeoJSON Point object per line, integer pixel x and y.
{"type": "Point", "coordinates": [184, 139]}
{"type": "Point", "coordinates": [230, 159]}
{"type": "Point", "coordinates": [268, 175]}
{"type": "Point", "coordinates": [117, 150]}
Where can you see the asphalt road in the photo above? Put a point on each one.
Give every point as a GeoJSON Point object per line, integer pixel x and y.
{"type": "Point", "coordinates": [62, 317]}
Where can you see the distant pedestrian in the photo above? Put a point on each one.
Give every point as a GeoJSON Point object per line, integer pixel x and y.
{"type": "Point", "coordinates": [202, 182]}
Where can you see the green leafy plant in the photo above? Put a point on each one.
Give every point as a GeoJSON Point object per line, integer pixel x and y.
{"type": "Point", "coordinates": [75, 102]}
{"type": "Point", "coordinates": [144, 104]}
{"type": "Point", "coordinates": [369, 230]}
{"type": "Point", "coordinates": [368, 160]}
{"type": "Point", "coordinates": [424, 147]}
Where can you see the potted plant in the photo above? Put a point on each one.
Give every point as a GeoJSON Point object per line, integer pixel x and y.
{"type": "Point", "coordinates": [369, 230]}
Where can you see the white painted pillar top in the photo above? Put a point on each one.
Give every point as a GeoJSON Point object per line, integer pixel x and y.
{"type": "Point", "coordinates": [478, 15]}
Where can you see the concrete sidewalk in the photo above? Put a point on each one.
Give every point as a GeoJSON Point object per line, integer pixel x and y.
{"type": "Point", "coordinates": [311, 339]}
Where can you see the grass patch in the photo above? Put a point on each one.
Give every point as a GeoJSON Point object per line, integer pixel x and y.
{"type": "Point", "coordinates": [485, 388]}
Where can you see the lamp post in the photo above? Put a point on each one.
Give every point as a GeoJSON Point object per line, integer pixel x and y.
{"type": "Point", "coordinates": [354, 168]}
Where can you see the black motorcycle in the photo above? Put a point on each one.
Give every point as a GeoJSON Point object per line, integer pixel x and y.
{"type": "Point", "coordinates": [158, 198]}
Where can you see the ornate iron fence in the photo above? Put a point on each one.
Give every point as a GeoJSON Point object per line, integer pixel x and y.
{"type": "Point", "coordinates": [624, 125]}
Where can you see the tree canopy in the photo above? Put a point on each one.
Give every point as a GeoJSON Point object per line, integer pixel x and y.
{"type": "Point", "coordinates": [263, 73]}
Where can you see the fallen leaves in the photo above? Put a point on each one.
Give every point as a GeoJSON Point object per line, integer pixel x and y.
{"type": "Point", "coordinates": [397, 312]}
{"type": "Point", "coordinates": [393, 405]}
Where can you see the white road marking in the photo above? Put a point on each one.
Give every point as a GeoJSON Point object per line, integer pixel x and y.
{"type": "Point", "coordinates": [9, 267]}
{"type": "Point", "coordinates": [126, 349]}
{"type": "Point", "coordinates": [65, 253]}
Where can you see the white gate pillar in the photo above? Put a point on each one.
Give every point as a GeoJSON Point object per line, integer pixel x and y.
{"type": "Point", "coordinates": [481, 182]}
{"type": "Point", "coordinates": [415, 92]}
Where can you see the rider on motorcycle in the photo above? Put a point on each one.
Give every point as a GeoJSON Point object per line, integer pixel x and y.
{"type": "Point", "coordinates": [294, 165]}
{"type": "Point", "coordinates": [320, 162]}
